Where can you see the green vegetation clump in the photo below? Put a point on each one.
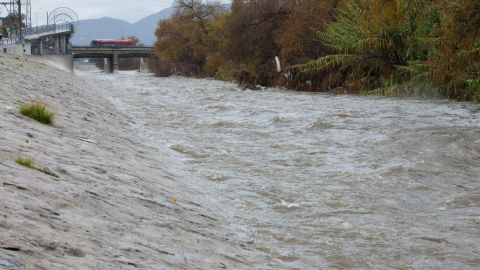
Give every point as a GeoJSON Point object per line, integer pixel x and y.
{"type": "Point", "coordinates": [37, 111]}
{"type": "Point", "coordinates": [403, 48]}
{"type": "Point", "coordinates": [26, 162]}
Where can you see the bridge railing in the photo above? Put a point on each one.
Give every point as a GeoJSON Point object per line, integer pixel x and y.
{"type": "Point", "coordinates": [65, 27]}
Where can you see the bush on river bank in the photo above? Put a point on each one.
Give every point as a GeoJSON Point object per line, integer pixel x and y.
{"type": "Point", "coordinates": [38, 111]}
{"type": "Point", "coordinates": [393, 47]}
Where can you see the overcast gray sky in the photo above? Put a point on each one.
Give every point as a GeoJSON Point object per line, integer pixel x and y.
{"type": "Point", "coordinates": [129, 10]}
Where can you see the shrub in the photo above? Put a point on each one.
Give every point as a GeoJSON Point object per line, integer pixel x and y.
{"type": "Point", "coordinates": [28, 162]}
{"type": "Point", "coordinates": [456, 62]}
{"type": "Point", "coordinates": [377, 45]}
{"type": "Point", "coordinates": [37, 111]}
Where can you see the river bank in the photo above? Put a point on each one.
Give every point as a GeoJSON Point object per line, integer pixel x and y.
{"type": "Point", "coordinates": [388, 48]}
{"type": "Point", "coordinates": [113, 204]}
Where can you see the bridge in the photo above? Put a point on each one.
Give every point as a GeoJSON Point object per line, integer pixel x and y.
{"type": "Point", "coordinates": [53, 39]}
{"type": "Point", "coordinates": [112, 54]}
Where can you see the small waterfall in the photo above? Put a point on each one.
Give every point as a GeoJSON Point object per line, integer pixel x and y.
{"type": "Point", "coordinates": [106, 65]}
{"type": "Point", "coordinates": [143, 67]}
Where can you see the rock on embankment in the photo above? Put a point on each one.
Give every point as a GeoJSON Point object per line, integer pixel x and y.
{"type": "Point", "coordinates": [107, 202]}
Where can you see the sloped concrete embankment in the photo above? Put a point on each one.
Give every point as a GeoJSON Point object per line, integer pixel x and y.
{"type": "Point", "coordinates": [109, 201]}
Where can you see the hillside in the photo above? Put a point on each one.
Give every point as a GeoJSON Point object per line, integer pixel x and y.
{"type": "Point", "coordinates": [110, 28]}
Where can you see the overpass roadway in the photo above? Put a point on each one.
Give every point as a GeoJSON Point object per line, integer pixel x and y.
{"type": "Point", "coordinates": [111, 53]}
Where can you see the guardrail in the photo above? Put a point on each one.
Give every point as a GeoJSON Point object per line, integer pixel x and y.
{"type": "Point", "coordinates": [66, 27]}
{"type": "Point", "coordinates": [35, 31]}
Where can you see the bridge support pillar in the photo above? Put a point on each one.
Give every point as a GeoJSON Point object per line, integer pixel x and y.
{"type": "Point", "coordinates": [67, 44]}
{"type": "Point", "coordinates": [63, 44]}
{"type": "Point", "coordinates": [57, 44]}
{"type": "Point", "coordinates": [40, 46]}
{"type": "Point", "coordinates": [115, 62]}
{"type": "Point", "coordinates": [110, 65]}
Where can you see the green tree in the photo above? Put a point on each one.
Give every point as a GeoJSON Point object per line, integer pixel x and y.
{"type": "Point", "coordinates": [456, 62]}
{"type": "Point", "coordinates": [10, 22]}
{"type": "Point", "coordinates": [377, 45]}
{"type": "Point", "coordinates": [182, 41]}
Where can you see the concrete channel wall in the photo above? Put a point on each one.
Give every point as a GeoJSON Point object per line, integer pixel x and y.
{"type": "Point", "coordinates": [14, 46]}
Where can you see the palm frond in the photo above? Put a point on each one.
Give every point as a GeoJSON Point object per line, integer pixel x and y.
{"type": "Point", "coordinates": [415, 70]}
{"type": "Point", "coordinates": [327, 63]}
{"type": "Point", "coordinates": [473, 83]}
{"type": "Point", "coordinates": [344, 32]}
{"type": "Point", "coordinates": [370, 44]}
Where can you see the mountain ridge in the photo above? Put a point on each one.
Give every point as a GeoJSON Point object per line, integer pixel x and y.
{"type": "Point", "coordinates": [112, 28]}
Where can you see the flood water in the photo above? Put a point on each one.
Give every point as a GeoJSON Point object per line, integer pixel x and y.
{"type": "Point", "coordinates": [316, 181]}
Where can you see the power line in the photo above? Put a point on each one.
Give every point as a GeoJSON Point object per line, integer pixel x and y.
{"type": "Point", "coordinates": [16, 7]}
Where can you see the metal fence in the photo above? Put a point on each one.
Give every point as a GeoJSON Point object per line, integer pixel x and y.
{"type": "Point", "coordinates": [48, 28]}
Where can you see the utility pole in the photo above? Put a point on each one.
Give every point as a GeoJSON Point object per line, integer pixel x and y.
{"type": "Point", "coordinates": [28, 13]}
{"type": "Point", "coordinates": [19, 4]}
{"type": "Point", "coordinates": [15, 8]}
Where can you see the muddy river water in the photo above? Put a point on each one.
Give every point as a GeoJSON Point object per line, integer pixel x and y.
{"type": "Point", "coordinates": [316, 181]}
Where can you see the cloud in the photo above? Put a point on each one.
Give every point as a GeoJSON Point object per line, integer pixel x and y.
{"type": "Point", "coordinates": [129, 10]}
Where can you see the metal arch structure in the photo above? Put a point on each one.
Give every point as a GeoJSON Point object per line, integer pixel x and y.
{"type": "Point", "coordinates": [63, 15]}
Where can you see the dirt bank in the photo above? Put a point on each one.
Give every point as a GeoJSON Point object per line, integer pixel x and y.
{"type": "Point", "coordinates": [111, 203]}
